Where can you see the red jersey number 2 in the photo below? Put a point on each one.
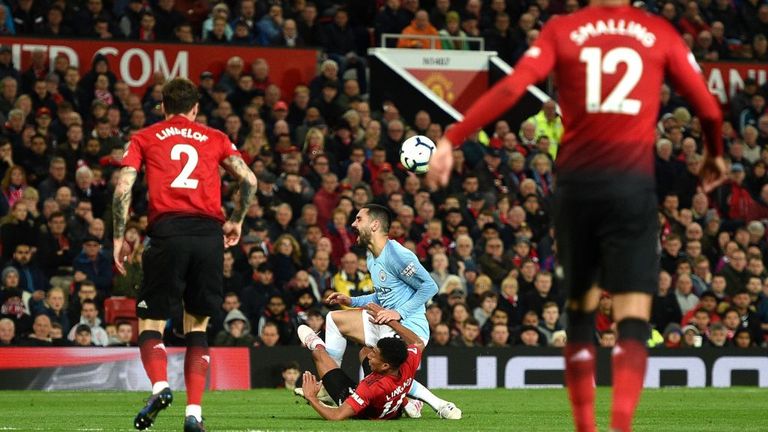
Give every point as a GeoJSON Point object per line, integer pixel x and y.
{"type": "Point", "coordinates": [182, 181]}
{"type": "Point", "coordinates": [598, 64]}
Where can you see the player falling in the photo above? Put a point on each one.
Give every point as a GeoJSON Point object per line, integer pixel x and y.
{"type": "Point", "coordinates": [402, 287]}
{"type": "Point", "coordinates": [182, 262]}
{"type": "Point", "coordinates": [609, 60]}
{"type": "Point", "coordinates": [380, 395]}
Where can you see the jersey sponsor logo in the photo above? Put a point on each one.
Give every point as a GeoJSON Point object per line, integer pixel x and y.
{"type": "Point", "coordinates": [409, 270]}
{"type": "Point", "coordinates": [612, 27]}
{"type": "Point", "coordinates": [382, 275]}
{"type": "Point", "coordinates": [183, 132]}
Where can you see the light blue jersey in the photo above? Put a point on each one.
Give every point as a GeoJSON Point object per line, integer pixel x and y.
{"type": "Point", "coordinates": [402, 284]}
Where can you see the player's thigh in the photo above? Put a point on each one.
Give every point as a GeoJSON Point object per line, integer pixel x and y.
{"type": "Point", "coordinates": [338, 385]}
{"type": "Point", "coordinates": [629, 245]}
{"type": "Point", "coordinates": [204, 279]}
{"type": "Point", "coordinates": [373, 332]}
{"type": "Point", "coordinates": [350, 323]}
{"type": "Point", "coordinates": [163, 280]}
{"type": "Point", "coordinates": [577, 246]}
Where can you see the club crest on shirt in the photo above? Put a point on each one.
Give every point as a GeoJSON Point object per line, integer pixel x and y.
{"type": "Point", "coordinates": [382, 276]}
{"type": "Point", "coordinates": [409, 270]}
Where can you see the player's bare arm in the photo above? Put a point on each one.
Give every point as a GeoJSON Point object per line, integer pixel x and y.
{"type": "Point", "coordinates": [409, 337]}
{"type": "Point", "coordinates": [121, 203]}
{"type": "Point", "coordinates": [236, 167]}
{"type": "Point", "coordinates": [311, 387]}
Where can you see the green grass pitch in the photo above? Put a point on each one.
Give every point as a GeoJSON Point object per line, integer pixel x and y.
{"type": "Point", "coordinates": [669, 409]}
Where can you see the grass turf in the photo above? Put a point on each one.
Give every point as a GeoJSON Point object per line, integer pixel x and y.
{"type": "Point", "coordinates": [669, 409]}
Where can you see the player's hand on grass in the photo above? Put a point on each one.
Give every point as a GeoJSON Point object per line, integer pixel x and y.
{"type": "Point", "coordinates": [441, 164]}
{"type": "Point", "coordinates": [231, 233]}
{"type": "Point", "coordinates": [310, 385]}
{"type": "Point", "coordinates": [119, 255]}
{"type": "Point", "coordinates": [712, 173]}
{"type": "Point", "coordinates": [338, 299]}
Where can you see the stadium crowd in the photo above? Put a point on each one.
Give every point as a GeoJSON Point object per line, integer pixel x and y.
{"type": "Point", "coordinates": [321, 152]}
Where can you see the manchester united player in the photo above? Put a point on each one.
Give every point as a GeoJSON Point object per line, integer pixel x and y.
{"type": "Point", "coordinates": [182, 262]}
{"type": "Point", "coordinates": [381, 394]}
{"type": "Point", "coordinates": [609, 60]}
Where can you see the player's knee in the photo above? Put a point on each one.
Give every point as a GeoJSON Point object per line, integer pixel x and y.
{"type": "Point", "coordinates": [634, 329]}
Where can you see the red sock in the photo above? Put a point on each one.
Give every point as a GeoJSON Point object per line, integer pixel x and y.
{"type": "Point", "coordinates": [196, 362]}
{"type": "Point", "coordinates": [153, 355]}
{"type": "Point", "coordinates": [629, 360]}
{"type": "Point", "coordinates": [580, 380]}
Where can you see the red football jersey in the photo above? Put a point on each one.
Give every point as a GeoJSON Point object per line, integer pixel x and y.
{"type": "Point", "coordinates": [382, 396]}
{"type": "Point", "coordinates": [181, 160]}
{"type": "Point", "coordinates": [609, 64]}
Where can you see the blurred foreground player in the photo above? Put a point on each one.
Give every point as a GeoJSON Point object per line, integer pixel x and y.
{"type": "Point", "coordinates": [182, 263]}
{"type": "Point", "coordinates": [610, 61]}
{"type": "Point", "coordinates": [381, 395]}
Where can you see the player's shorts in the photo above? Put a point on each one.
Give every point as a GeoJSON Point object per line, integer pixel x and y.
{"type": "Point", "coordinates": [181, 268]}
{"type": "Point", "coordinates": [373, 332]}
{"type": "Point", "coordinates": [611, 241]}
{"type": "Point", "coordinates": [338, 385]}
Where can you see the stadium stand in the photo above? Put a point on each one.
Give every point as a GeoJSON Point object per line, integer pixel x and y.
{"type": "Point", "coordinates": [320, 152]}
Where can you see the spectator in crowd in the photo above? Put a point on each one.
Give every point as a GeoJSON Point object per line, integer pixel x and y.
{"type": "Point", "coordinates": [94, 264]}
{"type": "Point", "coordinates": [7, 332]}
{"type": "Point", "coordinates": [83, 336]}
{"type": "Point", "coordinates": [470, 331]}
{"type": "Point", "coordinates": [123, 336]}
{"type": "Point", "coordinates": [89, 317]}
{"type": "Point", "coordinates": [269, 336]}
{"type": "Point", "coordinates": [440, 335]}
{"type": "Point", "coordinates": [237, 331]}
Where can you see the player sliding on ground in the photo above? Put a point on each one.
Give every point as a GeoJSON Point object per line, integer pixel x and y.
{"type": "Point", "coordinates": [381, 394]}
{"type": "Point", "coordinates": [402, 287]}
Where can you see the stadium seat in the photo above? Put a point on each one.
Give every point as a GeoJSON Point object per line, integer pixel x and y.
{"type": "Point", "coordinates": [119, 307]}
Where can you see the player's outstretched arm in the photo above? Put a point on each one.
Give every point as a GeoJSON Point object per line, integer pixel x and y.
{"type": "Point", "coordinates": [121, 203]}
{"type": "Point", "coordinates": [409, 337]}
{"type": "Point", "coordinates": [311, 387]}
{"type": "Point", "coordinates": [246, 180]}
{"type": "Point", "coordinates": [415, 275]}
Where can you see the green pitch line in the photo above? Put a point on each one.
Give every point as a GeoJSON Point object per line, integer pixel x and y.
{"type": "Point", "coordinates": [671, 409]}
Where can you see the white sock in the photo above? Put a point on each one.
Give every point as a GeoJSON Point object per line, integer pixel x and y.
{"type": "Point", "coordinates": [194, 410]}
{"type": "Point", "coordinates": [159, 386]}
{"type": "Point", "coordinates": [335, 343]}
{"type": "Point", "coordinates": [422, 393]}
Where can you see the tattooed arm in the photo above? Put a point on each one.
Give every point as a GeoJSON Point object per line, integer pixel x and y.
{"type": "Point", "coordinates": [246, 179]}
{"type": "Point", "coordinates": [121, 203]}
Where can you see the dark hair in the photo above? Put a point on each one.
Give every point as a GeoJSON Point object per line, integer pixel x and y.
{"type": "Point", "coordinates": [89, 301]}
{"type": "Point", "coordinates": [470, 321]}
{"type": "Point", "coordinates": [393, 351]}
{"type": "Point", "coordinates": [290, 365]}
{"type": "Point", "coordinates": [83, 328]}
{"type": "Point", "coordinates": [312, 312]}
{"type": "Point", "coordinates": [381, 214]}
{"type": "Point", "coordinates": [179, 96]}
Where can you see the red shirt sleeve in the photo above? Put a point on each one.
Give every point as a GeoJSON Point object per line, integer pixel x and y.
{"type": "Point", "coordinates": [411, 365]}
{"type": "Point", "coordinates": [535, 65]}
{"type": "Point", "coordinates": [133, 156]}
{"type": "Point", "coordinates": [227, 148]}
{"type": "Point", "coordinates": [360, 398]}
{"type": "Point", "coordinates": [687, 80]}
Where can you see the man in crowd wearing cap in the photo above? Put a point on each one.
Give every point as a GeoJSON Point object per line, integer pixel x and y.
{"type": "Point", "coordinates": [492, 172]}
{"type": "Point", "coordinates": [89, 316]}
{"type": "Point", "coordinates": [94, 264]}
{"type": "Point", "coordinates": [733, 198]}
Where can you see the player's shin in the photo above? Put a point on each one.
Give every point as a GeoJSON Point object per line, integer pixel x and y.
{"type": "Point", "coordinates": [154, 358]}
{"type": "Point", "coordinates": [422, 393]}
{"type": "Point", "coordinates": [579, 356]}
{"type": "Point", "coordinates": [629, 360]}
{"type": "Point", "coordinates": [196, 362]}
{"type": "Point", "coordinates": [335, 343]}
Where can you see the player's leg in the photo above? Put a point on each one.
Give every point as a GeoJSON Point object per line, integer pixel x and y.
{"type": "Point", "coordinates": [578, 254]}
{"type": "Point", "coordinates": [630, 269]}
{"type": "Point", "coordinates": [336, 384]}
{"type": "Point", "coordinates": [202, 296]}
{"type": "Point", "coordinates": [153, 307]}
{"type": "Point", "coordinates": [340, 326]}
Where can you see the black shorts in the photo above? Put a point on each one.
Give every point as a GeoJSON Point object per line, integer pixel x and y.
{"type": "Point", "coordinates": [610, 241]}
{"type": "Point", "coordinates": [338, 385]}
{"type": "Point", "coordinates": [181, 268]}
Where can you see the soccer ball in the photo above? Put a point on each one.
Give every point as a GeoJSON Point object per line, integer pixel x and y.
{"type": "Point", "coordinates": [416, 152]}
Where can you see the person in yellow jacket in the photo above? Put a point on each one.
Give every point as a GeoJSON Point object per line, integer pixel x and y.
{"type": "Point", "coordinates": [350, 281]}
{"type": "Point", "coordinates": [549, 123]}
{"type": "Point", "coordinates": [420, 26]}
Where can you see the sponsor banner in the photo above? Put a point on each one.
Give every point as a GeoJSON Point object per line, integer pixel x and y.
{"type": "Point", "coordinates": [111, 369]}
{"type": "Point", "coordinates": [135, 62]}
{"type": "Point", "coordinates": [725, 79]}
{"type": "Point", "coordinates": [457, 368]}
